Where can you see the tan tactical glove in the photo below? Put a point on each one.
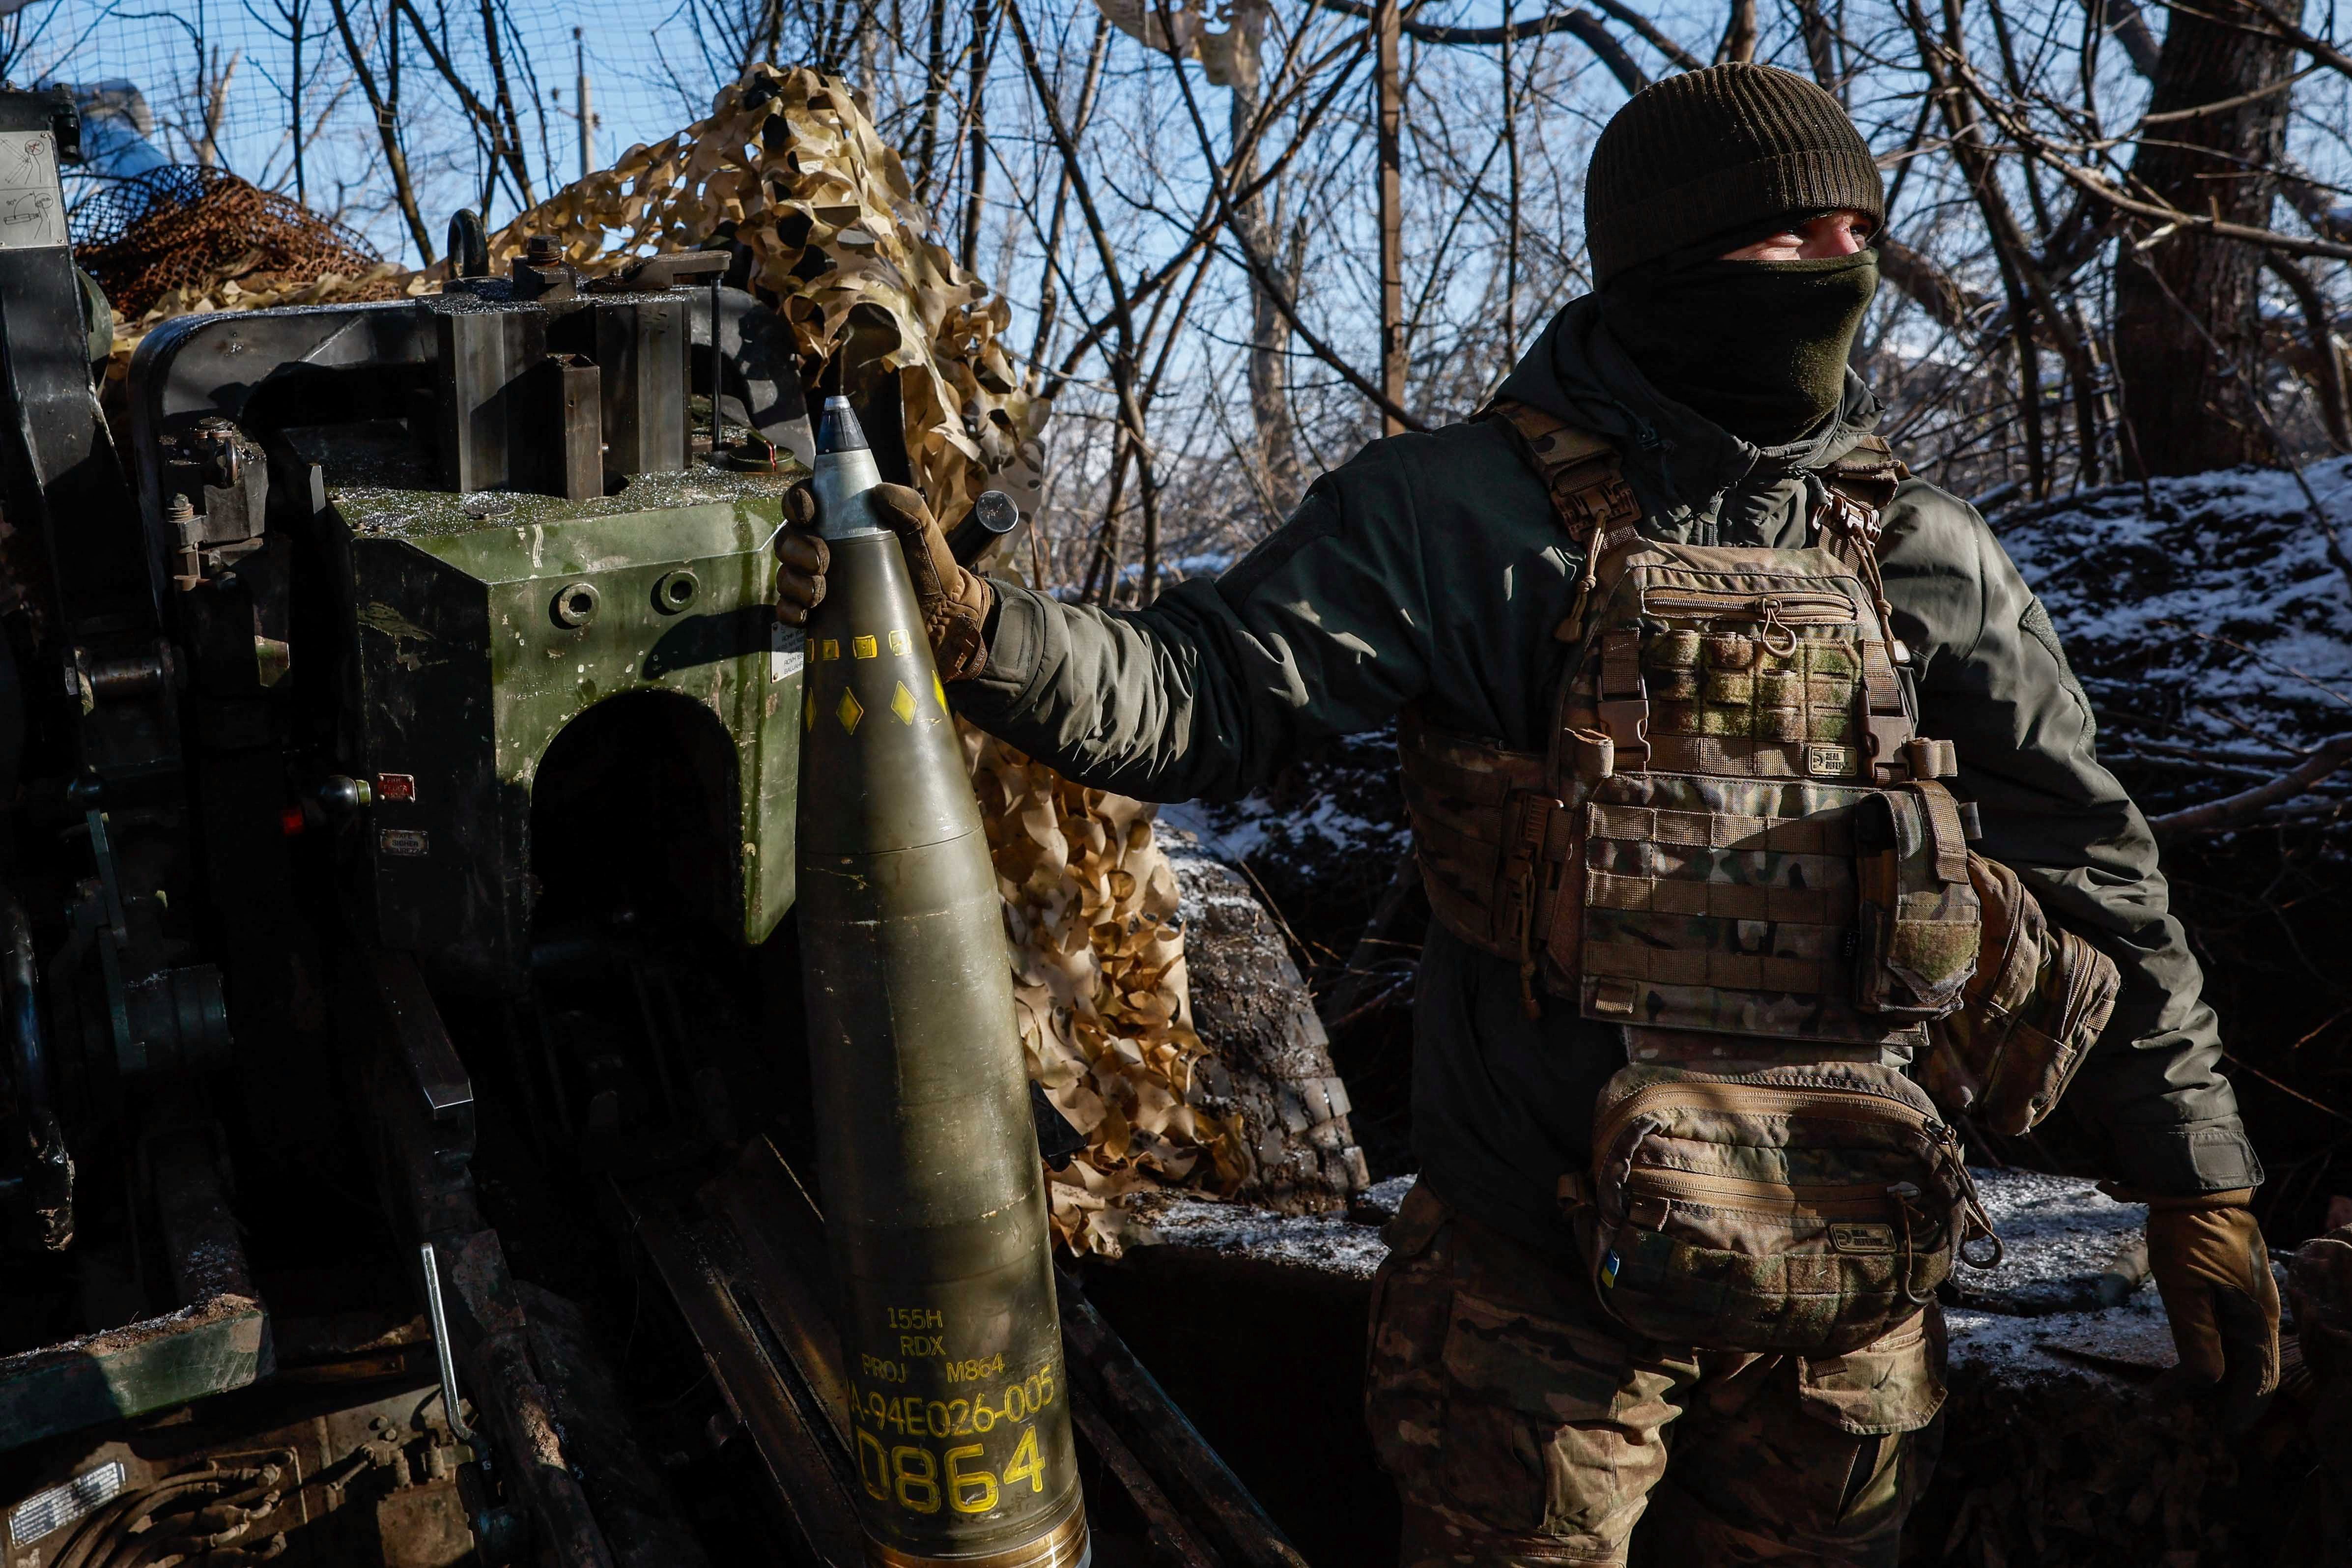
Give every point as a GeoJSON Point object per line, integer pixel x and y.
{"type": "Point", "coordinates": [955, 603]}
{"type": "Point", "coordinates": [2210, 1266]}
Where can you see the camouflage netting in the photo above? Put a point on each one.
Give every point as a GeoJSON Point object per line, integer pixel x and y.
{"type": "Point", "coordinates": [790, 163]}
{"type": "Point", "coordinates": [1100, 987]}
{"type": "Point", "coordinates": [182, 239]}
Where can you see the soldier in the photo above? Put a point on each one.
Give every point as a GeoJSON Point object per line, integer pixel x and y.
{"type": "Point", "coordinates": [1730, 215]}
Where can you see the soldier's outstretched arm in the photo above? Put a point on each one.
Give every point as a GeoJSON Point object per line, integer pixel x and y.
{"type": "Point", "coordinates": [1993, 678]}
{"type": "Point", "coordinates": [1320, 631]}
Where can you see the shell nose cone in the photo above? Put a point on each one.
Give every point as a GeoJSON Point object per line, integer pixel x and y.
{"type": "Point", "coordinates": [837, 429]}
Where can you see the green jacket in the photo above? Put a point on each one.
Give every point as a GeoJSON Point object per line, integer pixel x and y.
{"type": "Point", "coordinates": [1432, 567]}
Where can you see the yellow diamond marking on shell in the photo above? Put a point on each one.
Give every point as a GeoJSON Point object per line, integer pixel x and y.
{"type": "Point", "coordinates": [849, 713]}
{"type": "Point", "coordinates": [863, 647]}
{"type": "Point", "coordinates": [902, 703]}
{"type": "Point", "coordinates": [808, 710]}
{"type": "Point", "coordinates": [897, 640]}
{"type": "Point", "coordinates": [939, 691]}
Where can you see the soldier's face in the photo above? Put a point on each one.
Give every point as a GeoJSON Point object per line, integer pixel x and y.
{"type": "Point", "coordinates": [1815, 238]}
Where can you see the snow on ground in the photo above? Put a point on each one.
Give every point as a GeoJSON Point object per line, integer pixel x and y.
{"type": "Point", "coordinates": [2206, 617]}
{"type": "Point", "coordinates": [1323, 838]}
{"type": "Point", "coordinates": [1247, 826]}
{"type": "Point", "coordinates": [2039, 1312]}
{"type": "Point", "coordinates": [2132, 1339]}
{"type": "Point", "coordinates": [1330, 1242]}
{"type": "Point", "coordinates": [2059, 1235]}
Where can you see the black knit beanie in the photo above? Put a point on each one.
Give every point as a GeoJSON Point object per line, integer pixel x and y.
{"type": "Point", "coordinates": [1711, 151]}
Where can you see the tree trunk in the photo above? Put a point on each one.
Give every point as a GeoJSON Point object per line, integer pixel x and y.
{"type": "Point", "coordinates": [2188, 330]}
{"type": "Point", "coordinates": [1738, 46]}
{"type": "Point", "coordinates": [1389, 99]}
{"type": "Point", "coordinates": [1269, 341]}
{"type": "Point", "coordinates": [935, 87]}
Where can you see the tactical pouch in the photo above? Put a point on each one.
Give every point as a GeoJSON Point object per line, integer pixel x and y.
{"type": "Point", "coordinates": [2040, 999]}
{"type": "Point", "coordinates": [1803, 1210]}
{"type": "Point", "coordinates": [1919, 921]}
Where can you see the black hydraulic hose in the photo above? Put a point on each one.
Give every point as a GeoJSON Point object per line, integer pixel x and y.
{"type": "Point", "coordinates": [105, 1529]}
{"type": "Point", "coordinates": [28, 1053]}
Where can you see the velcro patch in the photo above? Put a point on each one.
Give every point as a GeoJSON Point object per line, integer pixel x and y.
{"type": "Point", "coordinates": [1868, 1237]}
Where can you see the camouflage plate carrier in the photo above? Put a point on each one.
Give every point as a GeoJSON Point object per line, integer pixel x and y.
{"type": "Point", "coordinates": [1737, 847]}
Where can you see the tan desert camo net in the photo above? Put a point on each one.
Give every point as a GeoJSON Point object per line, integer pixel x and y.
{"type": "Point", "coordinates": [791, 160]}
{"type": "Point", "coordinates": [1100, 984]}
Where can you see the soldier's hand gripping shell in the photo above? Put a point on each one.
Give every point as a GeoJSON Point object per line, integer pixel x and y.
{"type": "Point", "coordinates": [802, 559]}
{"type": "Point", "coordinates": [955, 603]}
{"type": "Point", "coordinates": [2214, 1272]}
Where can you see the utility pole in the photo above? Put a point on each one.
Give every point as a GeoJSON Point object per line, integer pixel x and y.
{"type": "Point", "coordinates": [585, 109]}
{"type": "Point", "coordinates": [1390, 117]}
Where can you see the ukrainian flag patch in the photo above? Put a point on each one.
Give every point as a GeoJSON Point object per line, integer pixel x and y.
{"type": "Point", "coordinates": [1609, 1271]}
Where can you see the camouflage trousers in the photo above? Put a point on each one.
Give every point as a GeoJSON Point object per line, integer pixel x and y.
{"type": "Point", "coordinates": [1523, 1426]}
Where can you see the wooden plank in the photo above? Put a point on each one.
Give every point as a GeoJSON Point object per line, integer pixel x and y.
{"type": "Point", "coordinates": [809, 1486]}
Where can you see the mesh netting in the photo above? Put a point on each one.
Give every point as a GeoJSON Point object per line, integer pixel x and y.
{"type": "Point", "coordinates": [184, 228]}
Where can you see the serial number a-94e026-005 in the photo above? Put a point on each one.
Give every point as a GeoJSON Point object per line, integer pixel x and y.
{"type": "Point", "coordinates": [964, 1454]}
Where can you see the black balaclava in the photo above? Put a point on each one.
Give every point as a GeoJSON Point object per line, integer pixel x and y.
{"type": "Point", "coordinates": [1760, 347]}
{"type": "Point", "coordinates": [1702, 163]}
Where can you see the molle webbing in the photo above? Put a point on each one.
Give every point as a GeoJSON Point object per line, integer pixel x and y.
{"type": "Point", "coordinates": [1682, 853]}
{"type": "Point", "coordinates": [1580, 470]}
{"type": "Point", "coordinates": [1722, 904]}
{"type": "Point", "coordinates": [1721, 705]}
{"type": "Point", "coordinates": [1493, 842]}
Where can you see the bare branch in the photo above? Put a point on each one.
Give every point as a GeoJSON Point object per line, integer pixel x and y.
{"type": "Point", "coordinates": [1123, 362]}
{"type": "Point", "coordinates": [1578, 23]}
{"type": "Point", "coordinates": [387, 129]}
{"type": "Point", "coordinates": [501, 147]}
{"type": "Point", "coordinates": [1263, 270]}
{"type": "Point", "coordinates": [2327, 359]}
{"type": "Point", "coordinates": [1738, 46]}
{"type": "Point", "coordinates": [1649, 34]}
{"type": "Point", "coordinates": [2233, 810]}
{"type": "Point", "coordinates": [2092, 182]}
{"type": "Point", "coordinates": [1935, 291]}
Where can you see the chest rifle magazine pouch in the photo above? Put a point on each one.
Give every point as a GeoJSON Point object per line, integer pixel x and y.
{"type": "Point", "coordinates": [2039, 1001]}
{"type": "Point", "coordinates": [1919, 922]}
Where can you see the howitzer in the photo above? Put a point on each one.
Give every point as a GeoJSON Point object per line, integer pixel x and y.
{"type": "Point", "coordinates": [399, 752]}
